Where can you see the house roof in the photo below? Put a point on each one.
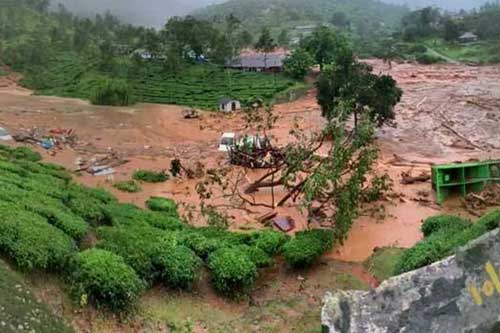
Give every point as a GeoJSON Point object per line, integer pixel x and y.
{"type": "Point", "coordinates": [258, 61]}
{"type": "Point", "coordinates": [226, 100]}
{"type": "Point", "coordinates": [468, 35]}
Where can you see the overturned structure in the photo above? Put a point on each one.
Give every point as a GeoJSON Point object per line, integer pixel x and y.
{"type": "Point", "coordinates": [458, 294]}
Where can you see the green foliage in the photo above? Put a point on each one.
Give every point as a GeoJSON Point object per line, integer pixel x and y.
{"type": "Point", "coordinates": [436, 223]}
{"type": "Point", "coordinates": [269, 241]}
{"type": "Point", "coordinates": [163, 205]}
{"type": "Point", "coordinates": [379, 187]}
{"type": "Point", "coordinates": [233, 272]}
{"type": "Point", "coordinates": [129, 186]}
{"type": "Point", "coordinates": [257, 256]}
{"type": "Point", "coordinates": [180, 265]}
{"type": "Point", "coordinates": [382, 263]}
{"type": "Point", "coordinates": [24, 153]}
{"type": "Point", "coordinates": [136, 245]}
{"type": "Point", "coordinates": [112, 92]}
{"type": "Point", "coordinates": [324, 45]}
{"type": "Point", "coordinates": [443, 241]}
{"type": "Point", "coordinates": [104, 280]}
{"type": "Point", "coordinates": [149, 176]}
{"type": "Point", "coordinates": [307, 246]}
{"type": "Point", "coordinates": [298, 64]}
{"type": "Point", "coordinates": [30, 241]}
{"type": "Point", "coordinates": [428, 59]}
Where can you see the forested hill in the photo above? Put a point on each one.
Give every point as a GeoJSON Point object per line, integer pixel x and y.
{"type": "Point", "coordinates": [289, 13]}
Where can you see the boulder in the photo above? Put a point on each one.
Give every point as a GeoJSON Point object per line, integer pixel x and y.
{"type": "Point", "coordinates": [458, 294]}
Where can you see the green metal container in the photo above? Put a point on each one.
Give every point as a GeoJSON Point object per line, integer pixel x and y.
{"type": "Point", "coordinates": [463, 178]}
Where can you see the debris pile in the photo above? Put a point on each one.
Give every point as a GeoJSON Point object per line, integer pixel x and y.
{"type": "Point", "coordinates": [477, 203]}
{"type": "Point", "coordinates": [53, 140]}
{"type": "Point", "coordinates": [101, 165]}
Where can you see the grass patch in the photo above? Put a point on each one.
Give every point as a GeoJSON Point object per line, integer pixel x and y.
{"type": "Point", "coordinates": [130, 186]}
{"type": "Point", "coordinates": [382, 263]}
{"type": "Point", "coordinates": [20, 311]}
{"type": "Point", "coordinates": [149, 176]}
{"type": "Point", "coordinates": [481, 52]}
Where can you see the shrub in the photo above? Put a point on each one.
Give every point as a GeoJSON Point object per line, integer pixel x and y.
{"type": "Point", "coordinates": [269, 241]}
{"type": "Point", "coordinates": [31, 242]}
{"type": "Point", "coordinates": [442, 243]}
{"type": "Point", "coordinates": [200, 244]}
{"type": "Point", "coordinates": [427, 59]}
{"type": "Point", "coordinates": [164, 205]}
{"type": "Point", "coordinates": [130, 215]}
{"type": "Point", "coordinates": [136, 245]}
{"type": "Point", "coordinates": [105, 280]}
{"type": "Point", "coordinates": [439, 222]}
{"type": "Point", "coordinates": [129, 186]}
{"type": "Point", "coordinates": [233, 271]}
{"type": "Point", "coordinates": [258, 256]}
{"type": "Point", "coordinates": [24, 153]}
{"type": "Point", "coordinates": [180, 265]}
{"type": "Point", "coordinates": [89, 203]}
{"type": "Point", "coordinates": [112, 92]}
{"type": "Point", "coordinates": [307, 247]}
{"type": "Point", "coordinates": [149, 176]}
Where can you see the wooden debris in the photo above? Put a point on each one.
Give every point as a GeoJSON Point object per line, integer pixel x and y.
{"type": "Point", "coordinates": [407, 178]}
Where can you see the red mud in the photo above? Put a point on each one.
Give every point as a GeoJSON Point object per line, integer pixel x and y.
{"type": "Point", "coordinates": [460, 97]}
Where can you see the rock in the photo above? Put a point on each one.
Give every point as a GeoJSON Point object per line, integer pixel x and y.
{"type": "Point", "coordinates": [458, 294]}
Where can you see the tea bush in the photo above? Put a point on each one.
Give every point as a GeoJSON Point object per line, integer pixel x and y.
{"type": "Point", "coordinates": [129, 186]}
{"type": "Point", "coordinates": [179, 266]}
{"type": "Point", "coordinates": [164, 205]}
{"type": "Point", "coordinates": [233, 272]}
{"type": "Point", "coordinates": [149, 176]}
{"type": "Point", "coordinates": [444, 242]}
{"type": "Point", "coordinates": [31, 242]}
{"type": "Point", "coordinates": [307, 247]}
{"type": "Point", "coordinates": [104, 280]}
{"type": "Point", "coordinates": [269, 241]}
{"type": "Point", "coordinates": [438, 222]}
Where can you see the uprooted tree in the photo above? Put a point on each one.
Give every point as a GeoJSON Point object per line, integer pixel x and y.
{"type": "Point", "coordinates": [325, 172]}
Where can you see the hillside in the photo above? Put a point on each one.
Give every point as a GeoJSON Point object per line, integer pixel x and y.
{"type": "Point", "coordinates": [288, 13]}
{"type": "Point", "coordinates": [445, 4]}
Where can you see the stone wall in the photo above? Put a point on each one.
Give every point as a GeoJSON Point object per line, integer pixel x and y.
{"type": "Point", "coordinates": [458, 294]}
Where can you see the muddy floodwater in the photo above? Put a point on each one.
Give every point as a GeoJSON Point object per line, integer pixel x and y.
{"type": "Point", "coordinates": [448, 113]}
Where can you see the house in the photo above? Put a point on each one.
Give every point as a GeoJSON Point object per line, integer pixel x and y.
{"type": "Point", "coordinates": [468, 37]}
{"type": "Point", "coordinates": [142, 54]}
{"type": "Point", "coordinates": [259, 62]}
{"type": "Point", "coordinates": [228, 105]}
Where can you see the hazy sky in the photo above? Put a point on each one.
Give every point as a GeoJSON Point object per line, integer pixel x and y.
{"type": "Point", "coordinates": [156, 12]}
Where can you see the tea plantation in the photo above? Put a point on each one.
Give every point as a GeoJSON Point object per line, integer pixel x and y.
{"type": "Point", "coordinates": [198, 86]}
{"type": "Point", "coordinates": [110, 252]}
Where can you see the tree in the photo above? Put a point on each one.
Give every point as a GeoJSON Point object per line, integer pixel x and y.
{"type": "Point", "coordinates": [451, 30]}
{"type": "Point", "coordinates": [284, 38]}
{"type": "Point", "coordinates": [340, 20]}
{"type": "Point", "coordinates": [298, 64]}
{"type": "Point", "coordinates": [265, 44]}
{"type": "Point", "coordinates": [349, 82]}
{"type": "Point", "coordinates": [245, 39]}
{"type": "Point", "coordinates": [323, 44]}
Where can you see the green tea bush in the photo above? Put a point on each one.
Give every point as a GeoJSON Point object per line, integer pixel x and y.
{"type": "Point", "coordinates": [307, 246]}
{"type": "Point", "coordinates": [233, 272]}
{"type": "Point", "coordinates": [129, 186]}
{"type": "Point", "coordinates": [438, 222]}
{"type": "Point", "coordinates": [257, 256]}
{"type": "Point", "coordinates": [180, 266]}
{"type": "Point", "coordinates": [149, 176]}
{"type": "Point", "coordinates": [25, 153]}
{"type": "Point", "coordinates": [88, 203]}
{"type": "Point", "coordinates": [444, 242]}
{"type": "Point", "coordinates": [31, 242]}
{"type": "Point", "coordinates": [104, 280]}
{"type": "Point", "coordinates": [131, 215]}
{"type": "Point", "coordinates": [164, 205]}
{"type": "Point", "coordinates": [269, 241]}
{"type": "Point", "coordinates": [112, 92]}
{"type": "Point", "coordinates": [136, 245]}
{"type": "Point", "coordinates": [200, 244]}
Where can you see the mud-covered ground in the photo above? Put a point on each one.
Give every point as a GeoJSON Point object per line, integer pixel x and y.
{"type": "Point", "coordinates": [448, 113]}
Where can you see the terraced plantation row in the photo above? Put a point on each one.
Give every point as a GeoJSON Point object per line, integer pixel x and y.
{"type": "Point", "coordinates": [198, 86]}
{"type": "Point", "coordinates": [110, 252]}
